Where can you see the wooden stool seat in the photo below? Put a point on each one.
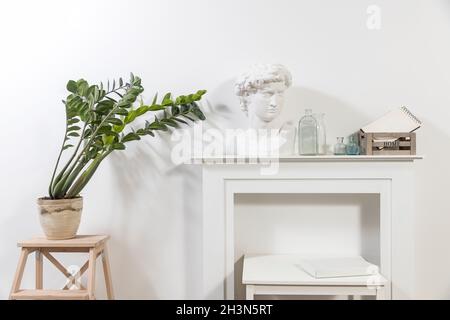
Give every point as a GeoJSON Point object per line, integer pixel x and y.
{"type": "Point", "coordinates": [94, 245]}
{"type": "Point", "coordinates": [50, 295]}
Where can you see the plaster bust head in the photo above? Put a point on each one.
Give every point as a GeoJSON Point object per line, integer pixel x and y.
{"type": "Point", "coordinates": [261, 92]}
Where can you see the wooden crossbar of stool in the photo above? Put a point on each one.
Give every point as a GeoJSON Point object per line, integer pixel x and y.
{"type": "Point", "coordinates": [94, 245]}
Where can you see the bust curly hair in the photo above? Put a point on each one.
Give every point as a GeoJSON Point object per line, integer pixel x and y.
{"type": "Point", "coordinates": [259, 77]}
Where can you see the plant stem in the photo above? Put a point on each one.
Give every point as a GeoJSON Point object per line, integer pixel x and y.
{"type": "Point", "coordinates": [50, 187]}
{"type": "Point", "coordinates": [71, 175]}
{"type": "Point", "coordinates": [86, 175]}
{"type": "Point", "coordinates": [62, 173]}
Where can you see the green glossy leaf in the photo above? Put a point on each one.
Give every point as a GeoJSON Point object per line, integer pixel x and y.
{"type": "Point", "coordinates": [158, 126]}
{"type": "Point", "coordinates": [73, 134]}
{"type": "Point", "coordinates": [175, 110]}
{"type": "Point", "coordinates": [155, 98]}
{"type": "Point", "coordinates": [184, 108]}
{"type": "Point", "coordinates": [118, 129]}
{"type": "Point", "coordinates": [87, 133]}
{"type": "Point", "coordinates": [156, 107]}
{"type": "Point", "coordinates": [130, 137]}
{"type": "Point", "coordinates": [104, 129]}
{"type": "Point", "coordinates": [196, 110]}
{"type": "Point", "coordinates": [96, 93]}
{"type": "Point", "coordinates": [180, 100]}
{"type": "Point", "coordinates": [141, 110]}
{"type": "Point", "coordinates": [115, 121]}
{"type": "Point", "coordinates": [170, 122]}
{"type": "Point", "coordinates": [73, 121]}
{"type": "Point", "coordinates": [73, 128]}
{"type": "Point", "coordinates": [199, 114]}
{"type": "Point", "coordinates": [98, 144]}
{"type": "Point", "coordinates": [122, 112]}
{"type": "Point", "coordinates": [108, 139]}
{"type": "Point", "coordinates": [82, 87]}
{"type": "Point", "coordinates": [118, 146]}
{"type": "Point", "coordinates": [103, 108]}
{"type": "Point", "coordinates": [130, 117]}
{"type": "Point", "coordinates": [67, 146]}
{"type": "Point", "coordinates": [167, 100]}
{"type": "Point", "coordinates": [140, 132]}
{"type": "Point", "coordinates": [167, 103]}
{"type": "Point", "coordinates": [124, 103]}
{"type": "Point", "coordinates": [71, 86]}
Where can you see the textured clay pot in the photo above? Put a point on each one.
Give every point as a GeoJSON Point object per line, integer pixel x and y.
{"type": "Point", "coordinates": [60, 218]}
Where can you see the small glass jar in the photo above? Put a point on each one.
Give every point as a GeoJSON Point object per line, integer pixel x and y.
{"type": "Point", "coordinates": [352, 146]}
{"type": "Point", "coordinates": [340, 148]}
{"type": "Point", "coordinates": [287, 134]}
{"type": "Point", "coordinates": [321, 133]}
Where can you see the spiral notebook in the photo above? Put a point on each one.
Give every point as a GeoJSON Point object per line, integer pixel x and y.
{"type": "Point", "coordinates": [397, 120]}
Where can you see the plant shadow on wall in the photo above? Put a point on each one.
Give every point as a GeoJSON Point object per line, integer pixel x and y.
{"type": "Point", "coordinates": [157, 205]}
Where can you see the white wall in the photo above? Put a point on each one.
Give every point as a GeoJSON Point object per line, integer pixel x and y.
{"type": "Point", "coordinates": [150, 207]}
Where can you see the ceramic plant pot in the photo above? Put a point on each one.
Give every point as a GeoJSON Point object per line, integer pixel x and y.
{"type": "Point", "coordinates": [60, 218]}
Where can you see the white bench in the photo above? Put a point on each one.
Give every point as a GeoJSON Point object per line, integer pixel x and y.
{"type": "Point", "coordinates": [279, 275]}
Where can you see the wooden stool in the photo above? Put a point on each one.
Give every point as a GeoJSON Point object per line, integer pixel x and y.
{"type": "Point", "coordinates": [94, 245]}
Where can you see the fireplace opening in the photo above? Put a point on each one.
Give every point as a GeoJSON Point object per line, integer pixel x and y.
{"type": "Point", "coordinates": [306, 224]}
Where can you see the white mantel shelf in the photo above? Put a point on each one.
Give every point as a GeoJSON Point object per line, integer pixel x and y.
{"type": "Point", "coordinates": [296, 158]}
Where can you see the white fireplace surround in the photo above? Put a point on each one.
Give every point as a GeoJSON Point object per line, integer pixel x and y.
{"type": "Point", "coordinates": [390, 177]}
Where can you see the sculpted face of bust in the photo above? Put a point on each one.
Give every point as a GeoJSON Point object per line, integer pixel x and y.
{"type": "Point", "coordinates": [261, 91]}
{"type": "Point", "coordinates": [266, 103]}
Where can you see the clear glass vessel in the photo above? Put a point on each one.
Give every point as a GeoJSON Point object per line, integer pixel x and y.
{"type": "Point", "coordinates": [321, 134]}
{"type": "Point", "coordinates": [340, 148]}
{"type": "Point", "coordinates": [307, 134]}
{"type": "Point", "coordinates": [352, 146]}
{"type": "Point", "coordinates": [288, 134]}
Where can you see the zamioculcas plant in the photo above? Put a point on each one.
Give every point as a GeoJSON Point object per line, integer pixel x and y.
{"type": "Point", "coordinates": [98, 122]}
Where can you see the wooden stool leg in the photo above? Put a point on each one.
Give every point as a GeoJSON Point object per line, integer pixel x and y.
{"type": "Point", "coordinates": [91, 276]}
{"type": "Point", "coordinates": [19, 271]}
{"type": "Point", "coordinates": [107, 273]}
{"type": "Point", "coordinates": [39, 270]}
